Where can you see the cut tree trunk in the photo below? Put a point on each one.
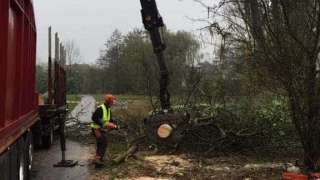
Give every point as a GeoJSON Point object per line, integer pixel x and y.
{"type": "Point", "coordinates": [307, 126]}
{"type": "Point", "coordinates": [170, 131]}
{"type": "Point", "coordinates": [170, 127]}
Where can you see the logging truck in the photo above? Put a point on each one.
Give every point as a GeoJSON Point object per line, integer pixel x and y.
{"type": "Point", "coordinates": [24, 122]}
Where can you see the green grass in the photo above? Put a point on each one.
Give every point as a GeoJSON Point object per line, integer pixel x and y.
{"type": "Point", "coordinates": [100, 98]}
{"type": "Point", "coordinates": [136, 103]}
{"type": "Point", "coordinates": [73, 97]}
{"type": "Point", "coordinates": [71, 106]}
{"type": "Point", "coordinates": [72, 101]}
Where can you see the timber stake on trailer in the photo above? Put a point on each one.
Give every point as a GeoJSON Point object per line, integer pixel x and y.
{"type": "Point", "coordinates": [60, 88]}
{"type": "Point", "coordinates": [49, 67]}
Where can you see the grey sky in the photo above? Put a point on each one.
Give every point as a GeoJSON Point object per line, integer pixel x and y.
{"type": "Point", "coordinates": [90, 22]}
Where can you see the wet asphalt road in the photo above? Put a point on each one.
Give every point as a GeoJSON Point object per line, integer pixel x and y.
{"type": "Point", "coordinates": [45, 159]}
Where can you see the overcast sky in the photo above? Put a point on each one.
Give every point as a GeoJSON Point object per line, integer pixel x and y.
{"type": "Point", "coordinates": [90, 22]}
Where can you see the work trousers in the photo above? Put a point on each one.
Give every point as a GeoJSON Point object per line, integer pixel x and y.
{"type": "Point", "coordinates": [101, 142]}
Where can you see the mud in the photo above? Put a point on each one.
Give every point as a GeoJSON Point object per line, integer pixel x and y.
{"type": "Point", "coordinates": [45, 159]}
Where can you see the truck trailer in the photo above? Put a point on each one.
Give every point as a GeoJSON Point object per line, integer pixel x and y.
{"type": "Point", "coordinates": [24, 123]}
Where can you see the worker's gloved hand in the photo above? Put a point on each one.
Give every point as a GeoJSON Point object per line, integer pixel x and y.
{"type": "Point", "coordinates": [111, 126]}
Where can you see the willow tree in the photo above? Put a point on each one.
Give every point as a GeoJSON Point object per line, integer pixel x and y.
{"type": "Point", "coordinates": [282, 39]}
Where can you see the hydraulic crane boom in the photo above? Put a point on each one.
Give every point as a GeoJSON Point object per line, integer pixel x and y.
{"type": "Point", "coordinates": [154, 24]}
{"type": "Point", "coordinates": [168, 130]}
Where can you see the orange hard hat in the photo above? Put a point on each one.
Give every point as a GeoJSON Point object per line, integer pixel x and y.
{"type": "Point", "coordinates": [109, 98]}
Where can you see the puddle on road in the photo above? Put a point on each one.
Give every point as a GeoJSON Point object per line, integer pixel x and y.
{"type": "Point", "coordinates": [45, 159]}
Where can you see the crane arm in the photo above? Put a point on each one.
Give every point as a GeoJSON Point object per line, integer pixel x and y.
{"type": "Point", "coordinates": [153, 23]}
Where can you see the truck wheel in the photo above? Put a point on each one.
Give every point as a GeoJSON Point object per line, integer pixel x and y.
{"type": "Point", "coordinates": [37, 135]}
{"type": "Point", "coordinates": [29, 155]}
{"type": "Point", "coordinates": [22, 164]}
{"type": "Point", "coordinates": [47, 140]}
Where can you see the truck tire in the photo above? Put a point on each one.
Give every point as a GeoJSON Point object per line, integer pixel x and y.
{"type": "Point", "coordinates": [14, 162]}
{"type": "Point", "coordinates": [47, 140]}
{"type": "Point", "coordinates": [5, 165]}
{"type": "Point", "coordinates": [29, 154]}
{"type": "Point", "coordinates": [37, 135]}
{"type": "Point", "coordinates": [22, 170]}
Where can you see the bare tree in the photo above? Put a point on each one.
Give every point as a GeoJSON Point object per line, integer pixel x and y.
{"type": "Point", "coordinates": [73, 54]}
{"type": "Point", "coordinates": [282, 40]}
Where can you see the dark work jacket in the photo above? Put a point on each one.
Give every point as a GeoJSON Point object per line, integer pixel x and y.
{"type": "Point", "coordinates": [98, 114]}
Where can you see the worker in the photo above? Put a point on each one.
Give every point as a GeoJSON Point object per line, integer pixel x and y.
{"type": "Point", "coordinates": [102, 123]}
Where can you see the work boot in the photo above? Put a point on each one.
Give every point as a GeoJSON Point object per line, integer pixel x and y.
{"type": "Point", "coordinates": [99, 164]}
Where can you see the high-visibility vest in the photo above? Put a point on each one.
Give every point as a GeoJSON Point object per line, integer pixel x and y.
{"type": "Point", "coordinates": [106, 112]}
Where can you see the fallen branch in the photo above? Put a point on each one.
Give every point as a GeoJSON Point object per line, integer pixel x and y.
{"type": "Point", "coordinates": [231, 138]}
{"type": "Point", "coordinates": [138, 140]}
{"type": "Point", "coordinates": [122, 158]}
{"type": "Point", "coordinates": [130, 152]}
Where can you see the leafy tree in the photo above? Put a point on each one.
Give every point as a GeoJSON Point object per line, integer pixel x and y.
{"type": "Point", "coordinates": [41, 77]}
{"type": "Point", "coordinates": [182, 54]}
{"type": "Point", "coordinates": [73, 58]}
{"type": "Point", "coordinates": [130, 65]}
{"type": "Point", "coordinates": [110, 61]}
{"type": "Point", "coordinates": [75, 79]}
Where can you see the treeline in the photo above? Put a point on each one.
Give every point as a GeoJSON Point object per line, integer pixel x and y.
{"type": "Point", "coordinates": [130, 66]}
{"type": "Point", "coordinates": [127, 65]}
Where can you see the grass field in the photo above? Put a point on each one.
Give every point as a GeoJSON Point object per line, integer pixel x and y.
{"type": "Point", "coordinates": [99, 97]}
{"type": "Point", "coordinates": [137, 108]}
